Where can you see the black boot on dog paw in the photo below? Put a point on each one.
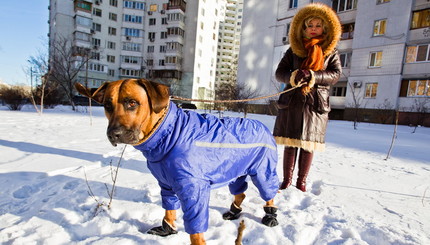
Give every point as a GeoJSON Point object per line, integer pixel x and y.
{"type": "Point", "coordinates": [164, 230]}
{"type": "Point", "coordinates": [270, 218]}
{"type": "Point", "coordinates": [233, 214]}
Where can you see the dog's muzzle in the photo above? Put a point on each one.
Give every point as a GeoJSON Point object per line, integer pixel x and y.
{"type": "Point", "coordinates": [120, 135]}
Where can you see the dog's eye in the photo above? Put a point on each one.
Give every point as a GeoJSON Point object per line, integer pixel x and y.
{"type": "Point", "coordinates": [131, 104]}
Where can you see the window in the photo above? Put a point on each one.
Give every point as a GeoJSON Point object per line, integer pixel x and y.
{"type": "Point", "coordinates": [175, 31]}
{"type": "Point", "coordinates": [82, 21]}
{"type": "Point", "coordinates": [95, 42]}
{"type": "Point", "coordinates": [164, 21]}
{"type": "Point", "coordinates": [112, 31]}
{"type": "Point", "coordinates": [379, 27]}
{"type": "Point", "coordinates": [152, 21]}
{"type": "Point", "coordinates": [375, 59]}
{"type": "Point", "coordinates": [111, 45]}
{"type": "Point", "coordinates": [150, 49]}
{"type": "Point", "coordinates": [113, 3]}
{"type": "Point", "coordinates": [163, 35]}
{"type": "Point", "coordinates": [371, 89]}
{"type": "Point", "coordinates": [418, 53]}
{"type": "Point", "coordinates": [151, 36]}
{"type": "Point", "coordinates": [293, 4]}
{"type": "Point", "coordinates": [131, 59]}
{"type": "Point", "coordinates": [345, 59]}
{"type": "Point", "coordinates": [150, 62]}
{"type": "Point", "coordinates": [134, 5]}
{"type": "Point", "coordinates": [131, 73]}
{"type": "Point", "coordinates": [382, 1]}
{"type": "Point", "coordinates": [111, 72]}
{"type": "Point", "coordinates": [161, 62]}
{"type": "Point", "coordinates": [418, 88]}
{"type": "Point", "coordinates": [82, 36]}
{"type": "Point", "coordinates": [96, 67]}
{"type": "Point", "coordinates": [97, 27]}
{"type": "Point", "coordinates": [133, 18]}
{"type": "Point", "coordinates": [97, 12]}
{"type": "Point", "coordinates": [347, 31]}
{"type": "Point", "coordinates": [110, 58]}
{"type": "Point", "coordinates": [113, 16]}
{"type": "Point", "coordinates": [132, 47]}
{"type": "Point", "coordinates": [163, 49]}
{"type": "Point", "coordinates": [420, 19]}
{"type": "Point", "coordinates": [153, 8]}
{"type": "Point", "coordinates": [338, 91]}
{"type": "Point", "coordinates": [131, 32]}
{"type": "Point", "coordinates": [83, 5]}
{"type": "Point", "coordinates": [344, 5]}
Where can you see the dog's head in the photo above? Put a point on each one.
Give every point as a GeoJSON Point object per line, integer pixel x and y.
{"type": "Point", "coordinates": [132, 106]}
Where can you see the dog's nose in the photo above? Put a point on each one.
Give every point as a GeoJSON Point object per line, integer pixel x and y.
{"type": "Point", "coordinates": [114, 135]}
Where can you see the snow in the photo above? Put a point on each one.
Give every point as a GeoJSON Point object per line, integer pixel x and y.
{"type": "Point", "coordinates": [354, 195]}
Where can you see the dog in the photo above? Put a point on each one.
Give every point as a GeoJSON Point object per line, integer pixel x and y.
{"type": "Point", "coordinates": [190, 153]}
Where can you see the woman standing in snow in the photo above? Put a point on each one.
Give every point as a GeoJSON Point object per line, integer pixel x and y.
{"type": "Point", "coordinates": [312, 60]}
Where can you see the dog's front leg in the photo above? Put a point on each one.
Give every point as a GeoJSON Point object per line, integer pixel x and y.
{"type": "Point", "coordinates": [197, 239]}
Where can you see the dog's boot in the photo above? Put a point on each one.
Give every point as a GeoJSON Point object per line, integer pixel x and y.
{"type": "Point", "coordinates": [164, 230]}
{"type": "Point", "coordinates": [233, 214]}
{"type": "Point", "coordinates": [270, 218]}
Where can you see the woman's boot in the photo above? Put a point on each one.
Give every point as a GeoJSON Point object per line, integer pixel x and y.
{"type": "Point", "coordinates": [289, 162]}
{"type": "Point", "coordinates": [305, 161]}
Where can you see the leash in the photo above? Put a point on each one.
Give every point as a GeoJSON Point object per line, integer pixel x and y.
{"type": "Point", "coordinates": [238, 101]}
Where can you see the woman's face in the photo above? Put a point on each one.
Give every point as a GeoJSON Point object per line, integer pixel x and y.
{"type": "Point", "coordinates": [314, 28]}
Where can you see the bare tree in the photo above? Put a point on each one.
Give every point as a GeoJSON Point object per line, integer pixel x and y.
{"type": "Point", "coordinates": [356, 103]}
{"type": "Point", "coordinates": [422, 109]}
{"type": "Point", "coordinates": [66, 62]}
{"type": "Point", "coordinates": [385, 112]}
{"type": "Point", "coordinates": [39, 66]}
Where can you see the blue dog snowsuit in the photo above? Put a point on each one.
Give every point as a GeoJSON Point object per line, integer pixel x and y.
{"type": "Point", "coordinates": [189, 154]}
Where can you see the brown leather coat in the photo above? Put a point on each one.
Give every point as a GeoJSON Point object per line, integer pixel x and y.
{"type": "Point", "coordinates": [302, 120]}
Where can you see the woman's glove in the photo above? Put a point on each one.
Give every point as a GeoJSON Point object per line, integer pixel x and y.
{"type": "Point", "coordinates": [302, 76]}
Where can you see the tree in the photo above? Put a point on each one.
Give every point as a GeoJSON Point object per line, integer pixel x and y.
{"type": "Point", "coordinates": [39, 69]}
{"type": "Point", "coordinates": [356, 103]}
{"type": "Point", "coordinates": [420, 106]}
{"type": "Point", "coordinates": [66, 62]}
{"type": "Point", "coordinates": [229, 89]}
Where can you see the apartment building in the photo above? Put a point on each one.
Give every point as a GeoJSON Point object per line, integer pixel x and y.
{"type": "Point", "coordinates": [170, 41]}
{"type": "Point", "coordinates": [229, 40]}
{"type": "Point", "coordinates": [384, 49]}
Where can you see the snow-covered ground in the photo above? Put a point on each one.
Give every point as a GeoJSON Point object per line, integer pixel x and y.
{"type": "Point", "coordinates": [354, 195]}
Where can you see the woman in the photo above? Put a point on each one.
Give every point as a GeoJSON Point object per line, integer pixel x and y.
{"type": "Point", "coordinates": [313, 61]}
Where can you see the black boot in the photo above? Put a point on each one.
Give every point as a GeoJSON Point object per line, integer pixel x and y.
{"type": "Point", "coordinates": [288, 167]}
{"type": "Point", "coordinates": [270, 218]}
{"type": "Point", "coordinates": [164, 230]}
{"type": "Point", "coordinates": [233, 214]}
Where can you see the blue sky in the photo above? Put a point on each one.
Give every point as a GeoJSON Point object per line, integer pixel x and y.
{"type": "Point", "coordinates": [23, 32]}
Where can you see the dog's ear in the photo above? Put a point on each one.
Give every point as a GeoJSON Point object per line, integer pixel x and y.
{"type": "Point", "coordinates": [96, 96]}
{"type": "Point", "coordinates": [99, 94]}
{"type": "Point", "coordinates": [83, 90]}
{"type": "Point", "coordinates": [158, 94]}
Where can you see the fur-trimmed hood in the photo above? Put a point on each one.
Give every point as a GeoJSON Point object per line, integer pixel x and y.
{"type": "Point", "coordinates": [331, 22]}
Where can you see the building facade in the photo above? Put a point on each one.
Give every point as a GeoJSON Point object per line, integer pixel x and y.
{"type": "Point", "coordinates": [385, 54]}
{"type": "Point", "coordinates": [171, 41]}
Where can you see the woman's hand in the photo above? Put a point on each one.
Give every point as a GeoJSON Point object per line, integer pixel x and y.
{"type": "Point", "coordinates": [302, 76]}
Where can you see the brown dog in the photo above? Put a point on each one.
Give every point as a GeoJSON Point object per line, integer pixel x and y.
{"type": "Point", "coordinates": [176, 145]}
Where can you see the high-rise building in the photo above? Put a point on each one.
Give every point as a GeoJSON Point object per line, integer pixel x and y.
{"type": "Point", "coordinates": [384, 49]}
{"type": "Point", "coordinates": [229, 40]}
{"type": "Point", "coordinates": [171, 41]}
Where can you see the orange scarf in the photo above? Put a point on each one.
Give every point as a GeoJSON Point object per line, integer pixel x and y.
{"type": "Point", "coordinates": [315, 59]}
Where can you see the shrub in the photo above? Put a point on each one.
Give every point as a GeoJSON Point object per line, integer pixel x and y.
{"type": "Point", "coordinates": [14, 96]}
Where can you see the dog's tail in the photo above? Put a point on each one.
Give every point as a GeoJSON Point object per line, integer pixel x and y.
{"type": "Point", "coordinates": [240, 233]}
